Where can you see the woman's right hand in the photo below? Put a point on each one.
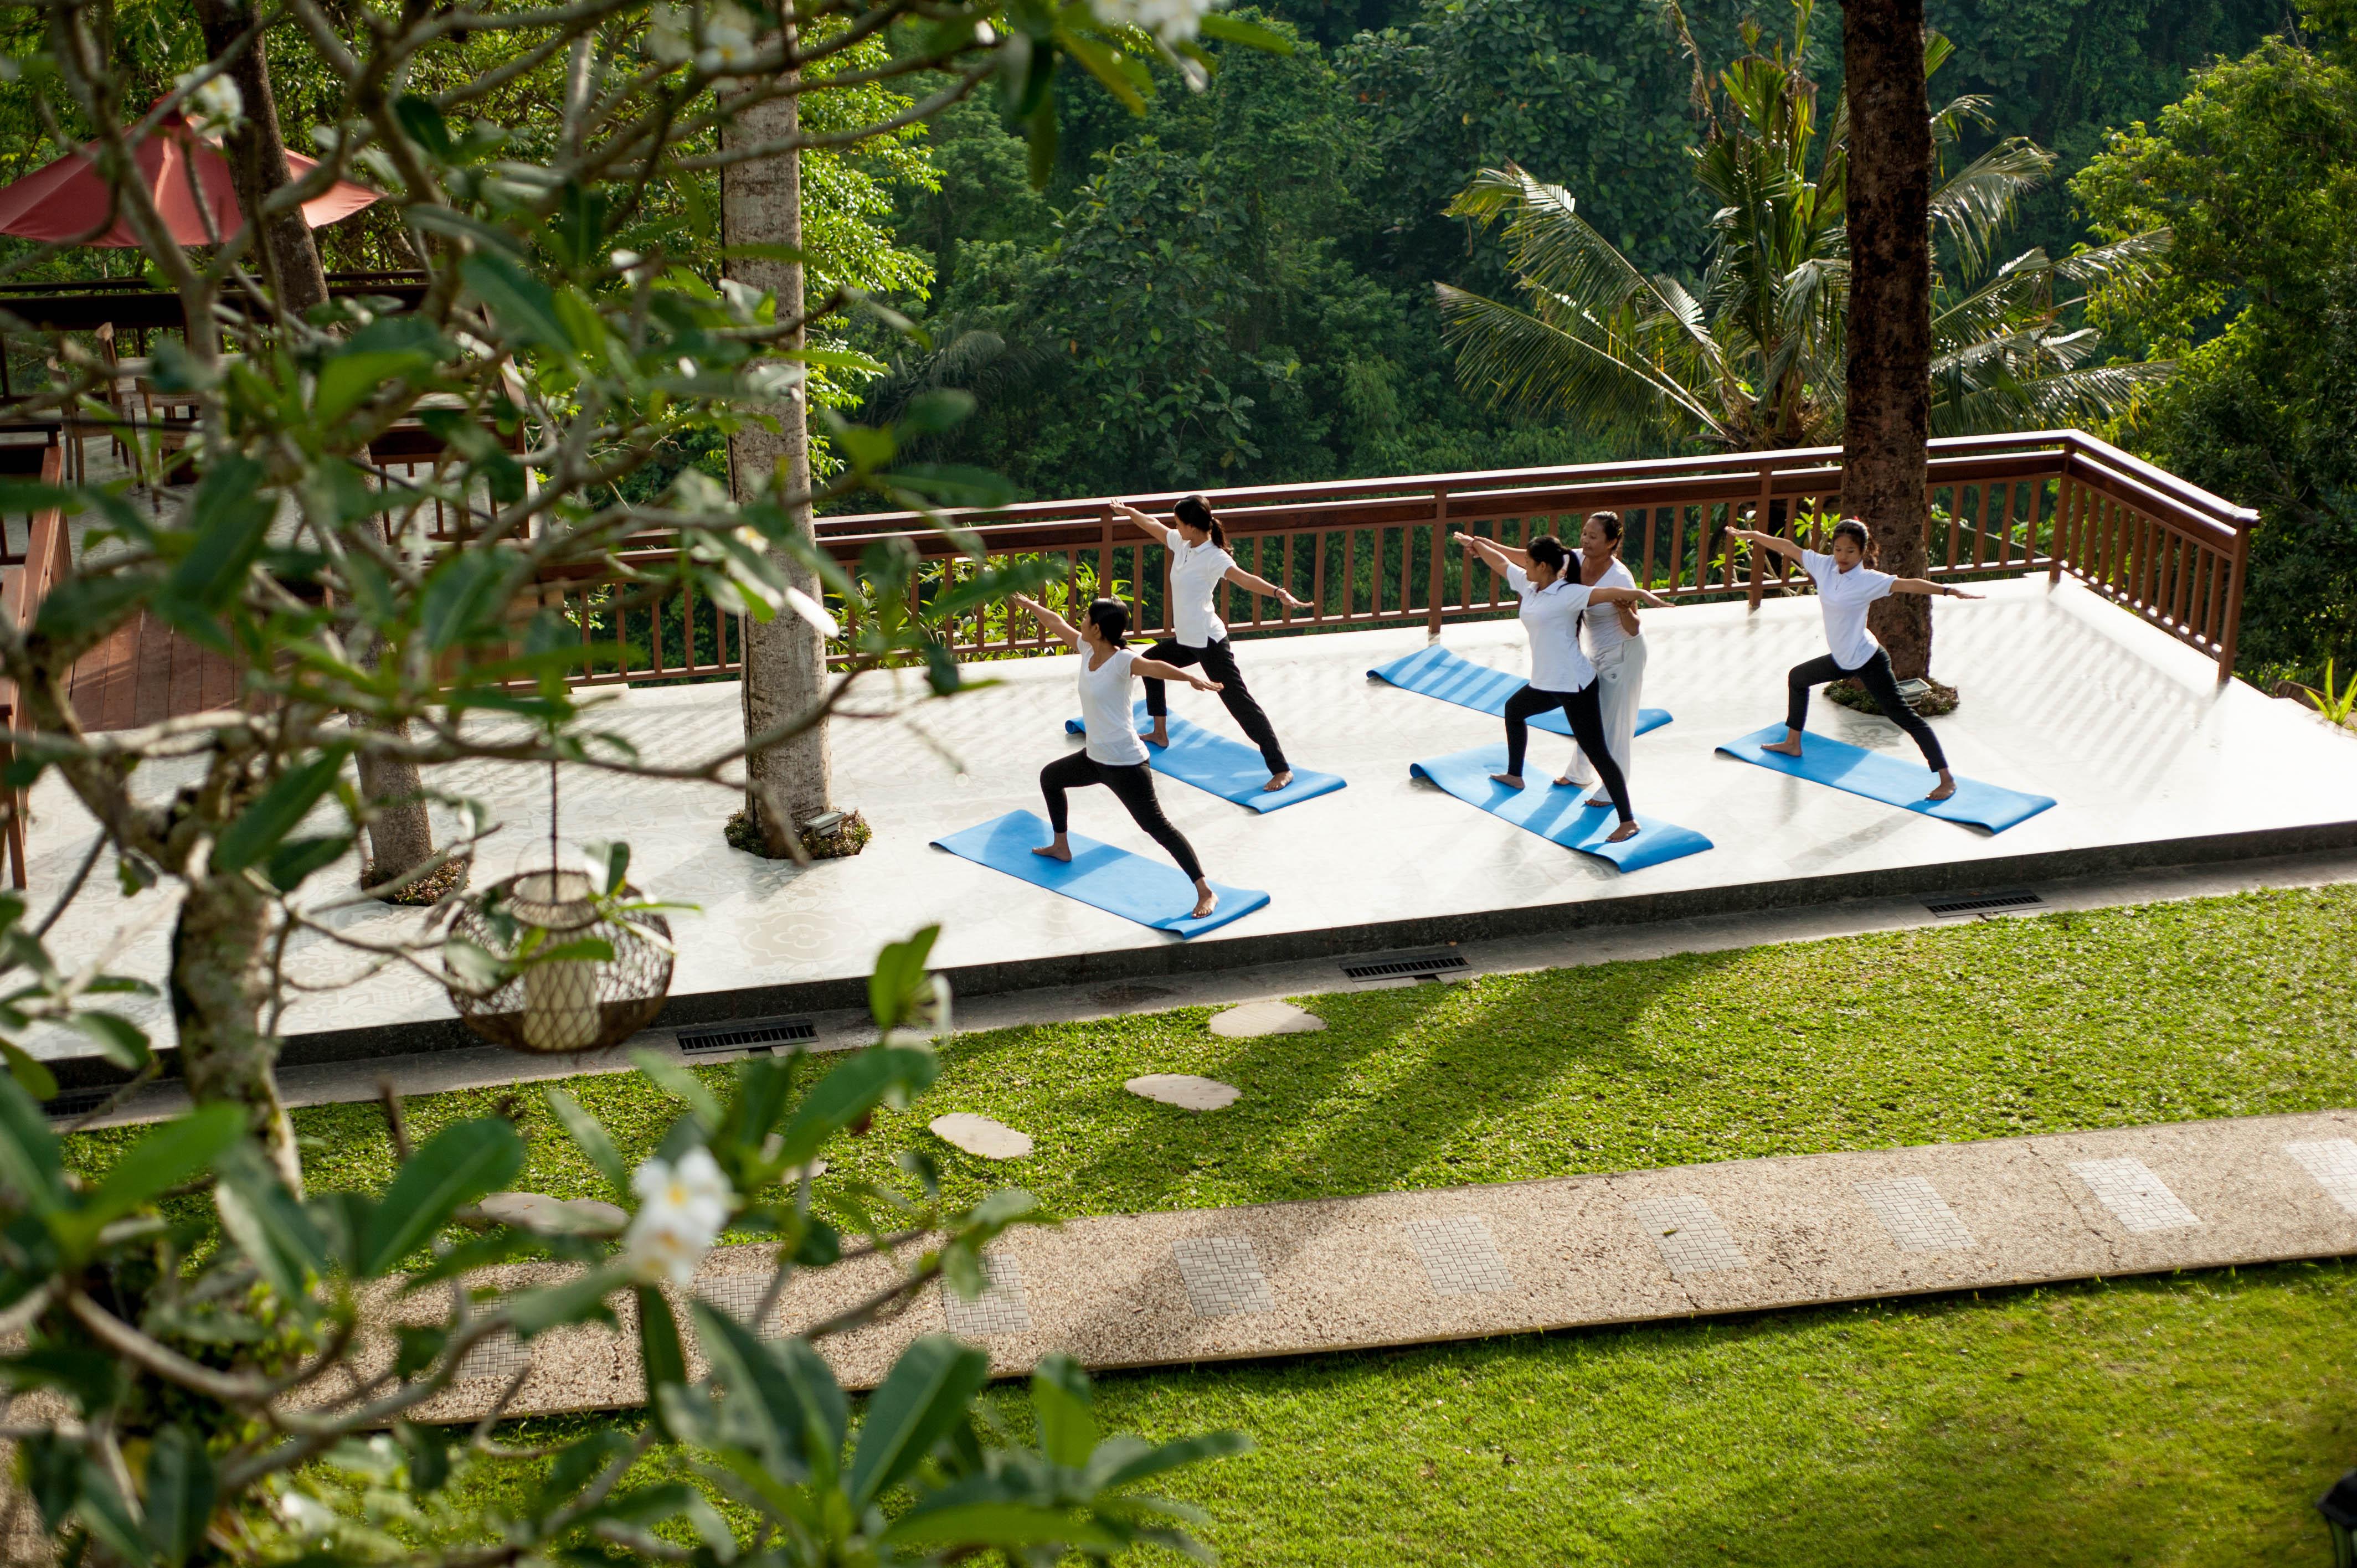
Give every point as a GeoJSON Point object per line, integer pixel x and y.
{"type": "Point", "coordinates": [1202, 685]}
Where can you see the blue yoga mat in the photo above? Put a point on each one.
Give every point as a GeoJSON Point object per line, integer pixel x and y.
{"type": "Point", "coordinates": [1151, 892]}
{"type": "Point", "coordinates": [1555, 811]}
{"type": "Point", "coordinates": [1894, 781]}
{"type": "Point", "coordinates": [1228, 769]}
{"type": "Point", "coordinates": [1437, 672]}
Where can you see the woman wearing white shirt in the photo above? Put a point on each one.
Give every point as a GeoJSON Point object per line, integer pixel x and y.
{"type": "Point", "coordinates": [1615, 646]}
{"type": "Point", "coordinates": [1115, 755]}
{"type": "Point", "coordinates": [1846, 586]}
{"type": "Point", "coordinates": [1199, 563]}
{"type": "Point", "coordinates": [1561, 676]}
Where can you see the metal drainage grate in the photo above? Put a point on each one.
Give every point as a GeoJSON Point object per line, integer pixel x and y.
{"type": "Point", "coordinates": [1966, 906]}
{"type": "Point", "coordinates": [69, 1103]}
{"type": "Point", "coordinates": [746, 1034]}
{"type": "Point", "coordinates": [1405, 965]}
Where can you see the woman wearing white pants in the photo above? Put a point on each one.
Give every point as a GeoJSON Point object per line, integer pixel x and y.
{"type": "Point", "coordinates": [1615, 646]}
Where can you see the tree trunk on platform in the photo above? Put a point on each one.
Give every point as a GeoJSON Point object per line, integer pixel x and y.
{"type": "Point", "coordinates": [1888, 423]}
{"type": "Point", "coordinates": [785, 659]}
{"type": "Point", "coordinates": [401, 836]}
{"type": "Point", "coordinates": [219, 986]}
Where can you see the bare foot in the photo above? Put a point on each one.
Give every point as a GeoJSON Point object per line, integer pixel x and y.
{"type": "Point", "coordinates": [1947, 787]}
{"type": "Point", "coordinates": [1790, 746]}
{"type": "Point", "coordinates": [1566, 781]}
{"type": "Point", "coordinates": [1059, 850]}
{"type": "Point", "coordinates": [1595, 802]}
{"type": "Point", "coordinates": [1510, 781]}
{"type": "Point", "coordinates": [1159, 734]}
{"type": "Point", "coordinates": [1279, 781]}
{"type": "Point", "coordinates": [1205, 900]}
{"type": "Point", "coordinates": [1625, 831]}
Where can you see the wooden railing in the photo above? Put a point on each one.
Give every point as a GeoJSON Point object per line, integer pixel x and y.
{"type": "Point", "coordinates": [1371, 553]}
{"type": "Point", "coordinates": [25, 582]}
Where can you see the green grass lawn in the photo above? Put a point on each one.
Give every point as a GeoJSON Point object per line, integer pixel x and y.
{"type": "Point", "coordinates": [2169, 1012]}
{"type": "Point", "coordinates": [2191, 1420]}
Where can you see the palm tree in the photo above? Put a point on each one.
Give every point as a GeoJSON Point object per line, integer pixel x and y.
{"type": "Point", "coordinates": [1754, 362]}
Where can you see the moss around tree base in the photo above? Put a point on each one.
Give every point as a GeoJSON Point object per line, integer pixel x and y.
{"type": "Point", "coordinates": [1939, 700]}
{"type": "Point", "coordinates": [850, 836]}
{"type": "Point", "coordinates": [426, 890]}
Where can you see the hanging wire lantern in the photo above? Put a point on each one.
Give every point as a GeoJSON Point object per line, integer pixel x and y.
{"type": "Point", "coordinates": [588, 980]}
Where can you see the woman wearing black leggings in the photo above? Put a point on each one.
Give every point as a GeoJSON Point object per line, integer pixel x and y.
{"type": "Point", "coordinates": [1846, 586]}
{"type": "Point", "coordinates": [1114, 757]}
{"type": "Point", "coordinates": [1199, 565]}
{"type": "Point", "coordinates": [1561, 677]}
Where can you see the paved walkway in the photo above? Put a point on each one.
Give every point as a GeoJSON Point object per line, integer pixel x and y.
{"type": "Point", "coordinates": [1465, 1263]}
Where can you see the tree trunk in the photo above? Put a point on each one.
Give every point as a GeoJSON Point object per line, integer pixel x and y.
{"type": "Point", "coordinates": [785, 659]}
{"type": "Point", "coordinates": [219, 987]}
{"type": "Point", "coordinates": [1888, 422]}
{"type": "Point", "coordinates": [401, 836]}
{"type": "Point", "coordinates": [257, 163]}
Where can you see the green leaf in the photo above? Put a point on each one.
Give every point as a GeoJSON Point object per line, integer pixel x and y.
{"type": "Point", "coordinates": [231, 515]}
{"type": "Point", "coordinates": [296, 859]}
{"type": "Point", "coordinates": [351, 378]}
{"type": "Point", "coordinates": [162, 1160]}
{"type": "Point", "coordinates": [35, 1079]}
{"type": "Point", "coordinates": [421, 121]}
{"type": "Point", "coordinates": [580, 1300]}
{"type": "Point", "coordinates": [925, 1395]}
{"type": "Point", "coordinates": [461, 1163]}
{"type": "Point", "coordinates": [1168, 1456]}
{"type": "Point", "coordinates": [258, 829]}
{"type": "Point", "coordinates": [575, 1466]}
{"type": "Point", "coordinates": [850, 1091]}
{"type": "Point", "coordinates": [29, 1164]}
{"type": "Point", "coordinates": [181, 1494]}
{"type": "Point", "coordinates": [118, 1039]}
{"type": "Point", "coordinates": [473, 966]}
{"type": "Point", "coordinates": [1004, 1522]}
{"type": "Point", "coordinates": [780, 1393]}
{"type": "Point", "coordinates": [92, 1379]}
{"type": "Point", "coordinates": [428, 1452]}
{"type": "Point", "coordinates": [268, 1226]}
{"type": "Point", "coordinates": [518, 302]}
{"type": "Point", "coordinates": [590, 1138]}
{"type": "Point", "coordinates": [1061, 1399]}
{"type": "Point", "coordinates": [680, 1084]}
{"type": "Point", "coordinates": [659, 1349]}
{"type": "Point", "coordinates": [112, 1523]}
{"type": "Point", "coordinates": [1234, 29]}
{"type": "Point", "coordinates": [897, 985]}
{"type": "Point", "coordinates": [465, 594]}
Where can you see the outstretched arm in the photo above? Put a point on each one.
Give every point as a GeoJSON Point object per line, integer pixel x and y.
{"type": "Point", "coordinates": [1497, 557]}
{"type": "Point", "coordinates": [1775, 542]}
{"type": "Point", "coordinates": [1261, 585]}
{"type": "Point", "coordinates": [1153, 525]}
{"type": "Point", "coordinates": [1055, 626]}
{"type": "Point", "coordinates": [1627, 596]}
{"type": "Point", "coordinates": [1154, 669]}
{"type": "Point", "coordinates": [1929, 589]}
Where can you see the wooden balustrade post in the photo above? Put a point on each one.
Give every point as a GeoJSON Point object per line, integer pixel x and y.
{"type": "Point", "coordinates": [2233, 604]}
{"type": "Point", "coordinates": [1760, 516]}
{"type": "Point", "coordinates": [1438, 590]}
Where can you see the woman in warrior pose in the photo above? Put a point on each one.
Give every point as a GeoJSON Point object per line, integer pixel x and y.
{"type": "Point", "coordinates": [1115, 755]}
{"type": "Point", "coordinates": [1561, 676]}
{"type": "Point", "coordinates": [1846, 586]}
{"type": "Point", "coordinates": [1615, 646]}
{"type": "Point", "coordinates": [1199, 563]}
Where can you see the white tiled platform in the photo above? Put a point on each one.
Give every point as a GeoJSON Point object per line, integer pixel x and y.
{"type": "Point", "coordinates": [2063, 694]}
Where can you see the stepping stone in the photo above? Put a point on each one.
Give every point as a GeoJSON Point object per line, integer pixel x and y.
{"type": "Point", "coordinates": [538, 1211]}
{"type": "Point", "coordinates": [981, 1135]}
{"type": "Point", "coordinates": [1256, 1018]}
{"type": "Point", "coordinates": [777, 1141]}
{"type": "Point", "coordinates": [1185, 1091]}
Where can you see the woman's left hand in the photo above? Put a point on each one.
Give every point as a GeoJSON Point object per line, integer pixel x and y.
{"type": "Point", "coordinates": [1290, 602]}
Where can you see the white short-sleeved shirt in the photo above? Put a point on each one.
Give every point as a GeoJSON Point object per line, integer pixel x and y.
{"type": "Point", "coordinates": [1844, 597]}
{"type": "Point", "coordinates": [1105, 712]}
{"type": "Point", "coordinates": [1603, 621]}
{"type": "Point", "coordinates": [1196, 572]}
{"type": "Point", "coordinates": [1551, 616]}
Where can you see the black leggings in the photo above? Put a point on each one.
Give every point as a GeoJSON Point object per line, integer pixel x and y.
{"type": "Point", "coordinates": [1585, 709]}
{"type": "Point", "coordinates": [1219, 664]}
{"type": "Point", "coordinates": [1133, 786]}
{"type": "Point", "coordinates": [1880, 684]}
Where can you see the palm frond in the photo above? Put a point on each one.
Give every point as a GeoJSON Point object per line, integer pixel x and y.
{"type": "Point", "coordinates": [1585, 370]}
{"type": "Point", "coordinates": [1969, 208]}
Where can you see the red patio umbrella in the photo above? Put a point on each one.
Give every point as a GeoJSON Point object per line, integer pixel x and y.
{"type": "Point", "coordinates": [66, 199]}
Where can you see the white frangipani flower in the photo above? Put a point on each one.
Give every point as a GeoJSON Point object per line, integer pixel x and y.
{"type": "Point", "coordinates": [730, 41]}
{"type": "Point", "coordinates": [215, 109]}
{"type": "Point", "coordinates": [667, 36]}
{"type": "Point", "coordinates": [1172, 21]}
{"type": "Point", "coordinates": [682, 1207]}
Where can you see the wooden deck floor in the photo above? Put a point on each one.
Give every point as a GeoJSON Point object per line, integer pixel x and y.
{"type": "Point", "coordinates": [148, 672]}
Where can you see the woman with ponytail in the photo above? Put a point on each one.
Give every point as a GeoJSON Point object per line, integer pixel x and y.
{"type": "Point", "coordinates": [1199, 563]}
{"type": "Point", "coordinates": [1847, 584]}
